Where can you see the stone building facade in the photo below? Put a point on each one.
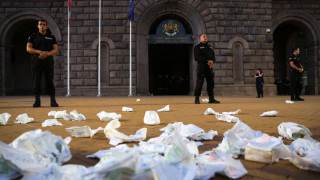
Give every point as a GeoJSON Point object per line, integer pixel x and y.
{"type": "Point", "coordinates": [245, 35]}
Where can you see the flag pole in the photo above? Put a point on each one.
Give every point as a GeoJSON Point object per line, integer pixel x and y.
{"type": "Point", "coordinates": [130, 66]}
{"type": "Point", "coordinates": [68, 56]}
{"type": "Point", "coordinates": [99, 50]}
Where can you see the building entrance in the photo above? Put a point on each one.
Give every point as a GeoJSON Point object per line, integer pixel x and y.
{"type": "Point", "coordinates": [169, 69]}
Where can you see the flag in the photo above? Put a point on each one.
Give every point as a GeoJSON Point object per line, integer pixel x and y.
{"type": "Point", "coordinates": [131, 14]}
{"type": "Point", "coordinates": [69, 7]}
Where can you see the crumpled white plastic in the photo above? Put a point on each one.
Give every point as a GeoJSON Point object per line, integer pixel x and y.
{"type": "Point", "coordinates": [117, 137]}
{"type": "Point", "coordinates": [210, 111]}
{"type": "Point", "coordinates": [227, 118]}
{"type": "Point", "coordinates": [138, 100]}
{"type": "Point", "coordinates": [74, 116]}
{"type": "Point", "coordinates": [209, 163]}
{"type": "Point", "coordinates": [233, 112]}
{"type": "Point", "coordinates": [105, 116]}
{"type": "Point", "coordinates": [269, 114]}
{"type": "Point", "coordinates": [4, 117]}
{"type": "Point", "coordinates": [189, 131]}
{"type": "Point", "coordinates": [31, 153]}
{"type": "Point", "coordinates": [151, 118]}
{"type": "Point", "coordinates": [127, 109]}
{"type": "Point", "coordinates": [23, 119]}
{"type": "Point", "coordinates": [51, 122]}
{"type": "Point", "coordinates": [289, 102]}
{"type": "Point", "coordinates": [205, 100]}
{"type": "Point", "coordinates": [165, 109]}
{"type": "Point", "coordinates": [99, 154]}
{"type": "Point", "coordinates": [83, 131]}
{"type": "Point", "coordinates": [305, 153]}
{"type": "Point", "coordinates": [58, 114]}
{"type": "Point", "coordinates": [293, 131]}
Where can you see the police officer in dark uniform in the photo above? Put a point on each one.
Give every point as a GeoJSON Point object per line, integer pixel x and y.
{"type": "Point", "coordinates": [296, 70]}
{"type": "Point", "coordinates": [204, 55]}
{"type": "Point", "coordinates": [42, 46]}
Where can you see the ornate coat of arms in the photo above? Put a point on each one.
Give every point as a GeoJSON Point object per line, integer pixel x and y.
{"type": "Point", "coordinates": [170, 29]}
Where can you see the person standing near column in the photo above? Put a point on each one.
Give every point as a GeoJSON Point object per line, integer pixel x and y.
{"type": "Point", "coordinates": [204, 55]}
{"type": "Point", "coordinates": [259, 82]}
{"type": "Point", "coordinates": [296, 70]}
{"type": "Point", "coordinates": [42, 46]}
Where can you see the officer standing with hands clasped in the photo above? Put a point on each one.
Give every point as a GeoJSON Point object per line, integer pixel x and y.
{"type": "Point", "coordinates": [296, 70]}
{"type": "Point", "coordinates": [204, 55]}
{"type": "Point", "coordinates": [42, 46]}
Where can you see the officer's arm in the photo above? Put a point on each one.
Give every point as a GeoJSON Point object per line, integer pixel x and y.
{"type": "Point", "coordinates": [295, 67]}
{"type": "Point", "coordinates": [31, 50]}
{"type": "Point", "coordinates": [54, 50]}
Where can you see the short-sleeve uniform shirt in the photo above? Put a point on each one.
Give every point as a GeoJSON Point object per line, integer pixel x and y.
{"type": "Point", "coordinates": [42, 42]}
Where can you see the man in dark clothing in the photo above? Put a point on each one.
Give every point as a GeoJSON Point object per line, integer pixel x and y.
{"type": "Point", "coordinates": [42, 46]}
{"type": "Point", "coordinates": [296, 70]}
{"type": "Point", "coordinates": [204, 55]}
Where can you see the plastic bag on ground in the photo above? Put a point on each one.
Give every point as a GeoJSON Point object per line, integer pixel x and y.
{"type": "Point", "coordinates": [83, 131]}
{"type": "Point", "coordinates": [269, 114]}
{"type": "Point", "coordinates": [293, 131]}
{"type": "Point", "coordinates": [117, 137]}
{"type": "Point", "coordinates": [205, 100]}
{"type": "Point", "coordinates": [306, 154]}
{"type": "Point", "coordinates": [180, 171]}
{"type": "Point", "coordinates": [210, 111]}
{"type": "Point", "coordinates": [151, 118]}
{"type": "Point", "coordinates": [104, 116]}
{"type": "Point", "coordinates": [127, 109]}
{"type": "Point", "coordinates": [51, 122]}
{"type": "Point", "coordinates": [233, 112]}
{"type": "Point", "coordinates": [210, 163]}
{"type": "Point", "coordinates": [138, 100]}
{"type": "Point", "coordinates": [289, 102]}
{"type": "Point", "coordinates": [74, 116]}
{"type": "Point", "coordinates": [23, 119]}
{"type": "Point", "coordinates": [264, 149]}
{"type": "Point", "coordinates": [99, 154]}
{"type": "Point", "coordinates": [227, 118]}
{"type": "Point", "coordinates": [165, 109]}
{"type": "Point", "coordinates": [58, 114]}
{"type": "Point", "coordinates": [4, 117]}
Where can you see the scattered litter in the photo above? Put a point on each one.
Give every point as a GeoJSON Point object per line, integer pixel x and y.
{"type": "Point", "coordinates": [138, 100]}
{"type": "Point", "coordinates": [117, 137]}
{"type": "Point", "coordinates": [306, 154]}
{"type": "Point", "coordinates": [58, 114]}
{"type": "Point", "coordinates": [4, 117]}
{"type": "Point", "coordinates": [74, 116]}
{"type": "Point", "coordinates": [293, 131]}
{"type": "Point", "coordinates": [151, 118]}
{"type": "Point", "coordinates": [99, 154]}
{"type": "Point", "coordinates": [165, 109]}
{"type": "Point", "coordinates": [23, 119]}
{"type": "Point", "coordinates": [233, 112]}
{"type": "Point", "coordinates": [104, 116]}
{"type": "Point", "coordinates": [289, 102]}
{"type": "Point", "coordinates": [51, 122]}
{"type": "Point", "coordinates": [210, 111]}
{"type": "Point", "coordinates": [269, 114]}
{"type": "Point", "coordinates": [227, 118]}
{"type": "Point", "coordinates": [83, 131]}
{"type": "Point", "coordinates": [205, 100]}
{"type": "Point", "coordinates": [127, 109]}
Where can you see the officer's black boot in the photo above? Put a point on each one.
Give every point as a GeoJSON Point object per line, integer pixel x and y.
{"type": "Point", "coordinates": [196, 100]}
{"type": "Point", "coordinates": [212, 100]}
{"type": "Point", "coordinates": [37, 102]}
{"type": "Point", "coordinates": [262, 95]}
{"type": "Point", "coordinates": [53, 101]}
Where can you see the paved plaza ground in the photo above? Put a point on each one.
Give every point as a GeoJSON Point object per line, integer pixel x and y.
{"type": "Point", "coordinates": [182, 109]}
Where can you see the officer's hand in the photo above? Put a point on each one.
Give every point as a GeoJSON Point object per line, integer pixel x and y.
{"type": "Point", "coordinates": [300, 70]}
{"type": "Point", "coordinates": [43, 55]}
{"type": "Point", "coordinates": [210, 63]}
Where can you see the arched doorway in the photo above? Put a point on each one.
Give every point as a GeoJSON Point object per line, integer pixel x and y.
{"type": "Point", "coordinates": [286, 36]}
{"type": "Point", "coordinates": [170, 46]}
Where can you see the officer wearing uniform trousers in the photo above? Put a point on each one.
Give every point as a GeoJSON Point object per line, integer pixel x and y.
{"type": "Point", "coordinates": [259, 82]}
{"type": "Point", "coordinates": [204, 55]}
{"type": "Point", "coordinates": [296, 70]}
{"type": "Point", "coordinates": [42, 46]}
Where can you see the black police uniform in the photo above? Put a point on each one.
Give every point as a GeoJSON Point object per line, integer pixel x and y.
{"type": "Point", "coordinates": [259, 85]}
{"type": "Point", "coordinates": [295, 77]}
{"type": "Point", "coordinates": [202, 53]}
{"type": "Point", "coordinates": [39, 66]}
